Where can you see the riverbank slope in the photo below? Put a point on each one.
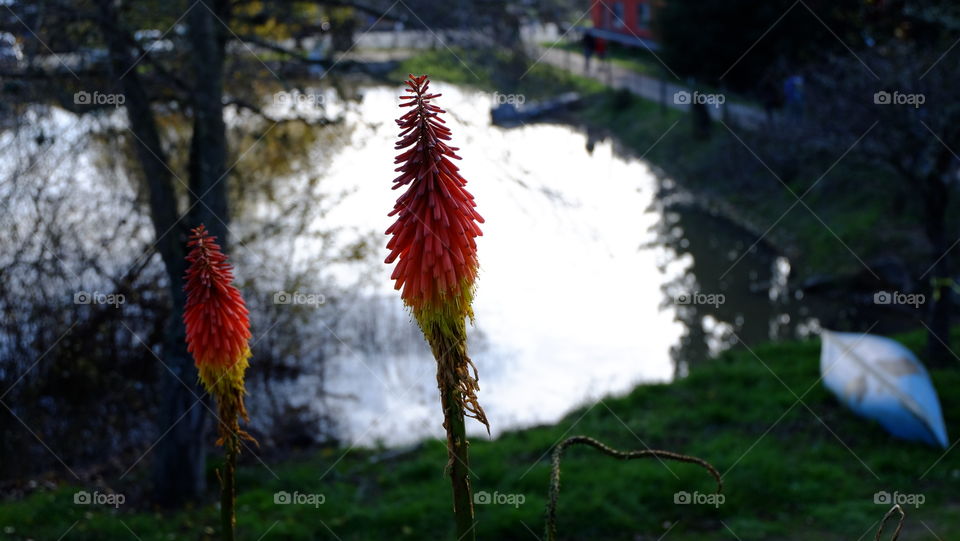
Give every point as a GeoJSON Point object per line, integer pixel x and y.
{"type": "Point", "coordinates": [796, 465]}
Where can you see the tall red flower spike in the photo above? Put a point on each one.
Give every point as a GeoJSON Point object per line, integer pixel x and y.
{"type": "Point", "coordinates": [218, 334]}
{"type": "Point", "coordinates": [434, 244]}
{"type": "Point", "coordinates": [218, 327]}
{"type": "Point", "coordinates": [433, 237]}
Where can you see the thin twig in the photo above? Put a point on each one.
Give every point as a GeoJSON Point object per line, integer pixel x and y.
{"type": "Point", "coordinates": [554, 492]}
{"type": "Point", "coordinates": [896, 533]}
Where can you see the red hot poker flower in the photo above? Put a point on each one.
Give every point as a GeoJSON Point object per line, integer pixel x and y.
{"type": "Point", "coordinates": [215, 315]}
{"type": "Point", "coordinates": [218, 326]}
{"type": "Point", "coordinates": [434, 235]}
{"type": "Point", "coordinates": [434, 244]}
{"type": "Point", "coordinates": [218, 331]}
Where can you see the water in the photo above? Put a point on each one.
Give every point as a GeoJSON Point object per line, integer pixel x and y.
{"type": "Point", "coordinates": [580, 265]}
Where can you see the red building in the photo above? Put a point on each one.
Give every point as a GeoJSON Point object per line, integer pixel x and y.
{"type": "Point", "coordinates": [625, 21]}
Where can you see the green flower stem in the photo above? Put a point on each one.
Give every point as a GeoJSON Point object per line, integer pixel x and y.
{"type": "Point", "coordinates": [228, 488]}
{"type": "Point", "coordinates": [459, 465]}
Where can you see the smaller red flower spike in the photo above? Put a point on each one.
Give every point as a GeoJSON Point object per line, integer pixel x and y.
{"type": "Point", "coordinates": [215, 315]}
{"type": "Point", "coordinates": [433, 237]}
{"type": "Point", "coordinates": [218, 327]}
{"type": "Point", "coordinates": [218, 331]}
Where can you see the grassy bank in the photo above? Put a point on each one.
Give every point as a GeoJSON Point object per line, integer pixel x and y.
{"type": "Point", "coordinates": [793, 470]}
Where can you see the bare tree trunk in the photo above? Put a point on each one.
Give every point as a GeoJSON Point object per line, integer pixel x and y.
{"type": "Point", "coordinates": [208, 149]}
{"type": "Point", "coordinates": [179, 455]}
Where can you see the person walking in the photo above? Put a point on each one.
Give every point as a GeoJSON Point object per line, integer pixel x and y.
{"type": "Point", "coordinates": [589, 44]}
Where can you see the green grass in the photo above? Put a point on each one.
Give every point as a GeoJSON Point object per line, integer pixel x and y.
{"type": "Point", "coordinates": [787, 474]}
